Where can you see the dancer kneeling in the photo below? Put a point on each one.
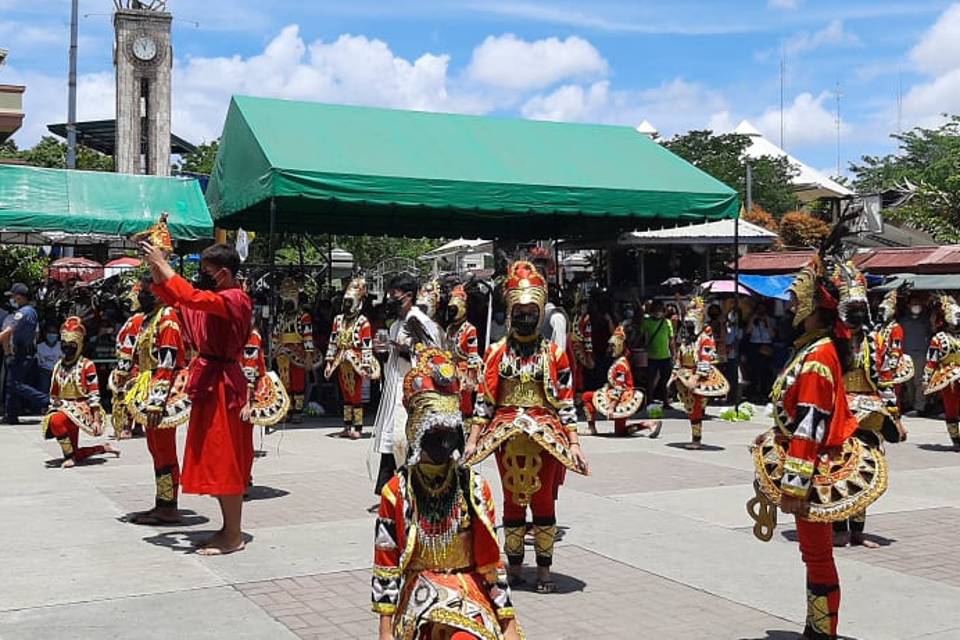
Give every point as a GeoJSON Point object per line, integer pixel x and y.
{"type": "Point", "coordinates": [617, 400]}
{"type": "Point", "coordinates": [437, 569]}
{"type": "Point", "coordinates": [810, 464]}
{"type": "Point", "coordinates": [75, 399]}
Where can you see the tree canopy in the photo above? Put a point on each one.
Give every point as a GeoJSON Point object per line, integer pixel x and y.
{"type": "Point", "coordinates": [724, 157]}
{"type": "Point", "coordinates": [51, 152]}
{"type": "Point", "coordinates": [928, 163]}
{"type": "Point", "coordinates": [201, 159]}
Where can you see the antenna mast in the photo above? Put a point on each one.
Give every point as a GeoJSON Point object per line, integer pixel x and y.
{"type": "Point", "coordinates": [838, 95]}
{"type": "Point", "coordinates": [783, 73]}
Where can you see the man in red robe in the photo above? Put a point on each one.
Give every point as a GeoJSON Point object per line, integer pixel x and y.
{"type": "Point", "coordinates": [219, 451]}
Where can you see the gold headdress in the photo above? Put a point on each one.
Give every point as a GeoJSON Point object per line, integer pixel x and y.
{"type": "Point", "coordinates": [888, 306]}
{"type": "Point", "coordinates": [72, 331]}
{"type": "Point", "coordinates": [618, 341]}
{"type": "Point", "coordinates": [950, 309]}
{"type": "Point", "coordinates": [695, 314]}
{"type": "Point", "coordinates": [458, 301]}
{"type": "Point", "coordinates": [158, 235]}
{"type": "Point", "coordinates": [428, 297]}
{"type": "Point", "coordinates": [851, 285]}
{"type": "Point", "coordinates": [356, 293]}
{"type": "Point", "coordinates": [431, 395]}
{"type": "Point", "coordinates": [810, 290]}
{"type": "Point", "coordinates": [525, 285]}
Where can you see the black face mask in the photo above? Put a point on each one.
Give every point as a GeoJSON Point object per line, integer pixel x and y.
{"type": "Point", "coordinates": [69, 351]}
{"type": "Point", "coordinates": [347, 306]}
{"type": "Point", "coordinates": [525, 324]}
{"type": "Point", "coordinates": [856, 318]}
{"type": "Point", "coordinates": [439, 445]}
{"type": "Point", "coordinates": [451, 314]}
{"type": "Point", "coordinates": [690, 330]}
{"type": "Point", "coordinates": [205, 281]}
{"type": "Point", "coordinates": [146, 300]}
{"type": "Point", "coordinates": [392, 308]}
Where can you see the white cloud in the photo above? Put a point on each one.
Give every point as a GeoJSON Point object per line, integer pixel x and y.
{"type": "Point", "coordinates": [672, 107]}
{"type": "Point", "coordinates": [832, 35]}
{"type": "Point", "coordinates": [806, 122]}
{"type": "Point", "coordinates": [509, 62]}
{"type": "Point", "coordinates": [939, 48]}
{"type": "Point", "coordinates": [783, 4]}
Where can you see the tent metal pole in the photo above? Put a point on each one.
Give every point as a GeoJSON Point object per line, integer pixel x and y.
{"type": "Point", "coordinates": [271, 260]}
{"type": "Point", "coordinates": [736, 286]}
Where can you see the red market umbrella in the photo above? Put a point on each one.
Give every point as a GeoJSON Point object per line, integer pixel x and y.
{"type": "Point", "coordinates": [724, 286]}
{"type": "Point", "coordinates": [119, 265]}
{"type": "Point", "coordinates": [80, 269]}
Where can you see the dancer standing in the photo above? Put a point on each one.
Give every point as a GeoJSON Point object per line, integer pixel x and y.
{"type": "Point", "coordinates": [219, 449]}
{"type": "Point", "coordinates": [581, 343]}
{"type": "Point", "coordinates": [617, 400]}
{"type": "Point", "coordinates": [525, 415]}
{"type": "Point", "coordinates": [435, 531]}
{"type": "Point", "coordinates": [293, 345]}
{"type": "Point", "coordinates": [942, 371]}
{"type": "Point", "coordinates": [695, 371]}
{"type": "Point", "coordinates": [267, 400]}
{"type": "Point", "coordinates": [350, 356]}
{"type": "Point", "coordinates": [896, 367]}
{"type": "Point", "coordinates": [809, 464]}
{"type": "Point", "coordinates": [864, 386]}
{"type": "Point", "coordinates": [75, 399]}
{"type": "Point", "coordinates": [463, 343]}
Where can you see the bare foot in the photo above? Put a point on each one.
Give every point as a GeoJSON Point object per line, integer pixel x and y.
{"type": "Point", "coordinates": [109, 448]}
{"type": "Point", "coordinates": [354, 435]}
{"type": "Point", "coordinates": [221, 550]}
{"type": "Point", "coordinates": [68, 463]}
{"type": "Point", "coordinates": [591, 429]}
{"type": "Point", "coordinates": [213, 539]}
{"type": "Point", "coordinates": [862, 541]}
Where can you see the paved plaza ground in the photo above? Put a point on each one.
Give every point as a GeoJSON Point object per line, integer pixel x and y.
{"type": "Point", "coordinates": [657, 544]}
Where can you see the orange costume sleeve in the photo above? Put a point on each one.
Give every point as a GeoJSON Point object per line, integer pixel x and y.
{"type": "Point", "coordinates": [254, 366]}
{"type": "Point", "coordinates": [170, 353]}
{"type": "Point", "coordinates": [90, 383]}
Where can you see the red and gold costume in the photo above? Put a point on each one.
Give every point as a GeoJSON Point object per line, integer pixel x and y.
{"type": "Point", "coordinates": [811, 454]}
{"type": "Point", "coordinates": [350, 353]}
{"type": "Point", "coordinates": [942, 371]}
{"type": "Point", "coordinates": [617, 400]}
{"type": "Point", "coordinates": [694, 371]}
{"type": "Point", "coordinates": [896, 367]}
{"type": "Point", "coordinates": [74, 398]}
{"type": "Point", "coordinates": [293, 343]}
{"type": "Point", "coordinates": [581, 344]}
{"type": "Point", "coordinates": [525, 414]}
{"type": "Point", "coordinates": [156, 382]}
{"type": "Point", "coordinates": [437, 569]}
{"type": "Point", "coordinates": [268, 399]}
{"type": "Point", "coordinates": [124, 371]}
{"type": "Point", "coordinates": [219, 450]}
{"type": "Point", "coordinates": [462, 340]}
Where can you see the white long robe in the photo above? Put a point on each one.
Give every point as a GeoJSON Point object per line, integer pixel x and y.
{"type": "Point", "coordinates": [389, 427]}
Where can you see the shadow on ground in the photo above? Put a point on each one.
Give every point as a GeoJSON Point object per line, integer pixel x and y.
{"type": "Point", "coordinates": [189, 519]}
{"type": "Point", "coordinates": [791, 535]}
{"type": "Point", "coordinates": [56, 463]}
{"type": "Point", "coordinates": [703, 447]}
{"type": "Point", "coordinates": [260, 492]}
{"type": "Point", "coordinates": [936, 447]}
{"type": "Point", "coordinates": [564, 583]}
{"type": "Point", "coordinates": [185, 541]}
{"type": "Point", "coordinates": [777, 634]}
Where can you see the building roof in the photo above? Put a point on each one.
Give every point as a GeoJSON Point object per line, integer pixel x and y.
{"type": "Point", "coordinates": [365, 170]}
{"type": "Point", "coordinates": [460, 245]}
{"type": "Point", "coordinates": [716, 232]}
{"type": "Point", "coordinates": [809, 183]}
{"type": "Point", "coordinates": [100, 135]}
{"type": "Point", "coordinates": [890, 260]}
{"type": "Point", "coordinates": [777, 262]}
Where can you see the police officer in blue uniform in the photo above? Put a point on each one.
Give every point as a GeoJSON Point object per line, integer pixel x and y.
{"type": "Point", "coordinates": [19, 336]}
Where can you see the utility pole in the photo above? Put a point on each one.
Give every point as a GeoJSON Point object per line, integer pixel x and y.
{"type": "Point", "coordinates": [838, 94]}
{"type": "Point", "coordinates": [72, 90]}
{"type": "Point", "coordinates": [783, 73]}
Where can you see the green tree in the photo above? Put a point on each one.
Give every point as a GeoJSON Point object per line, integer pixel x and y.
{"type": "Point", "coordinates": [928, 162]}
{"type": "Point", "coordinates": [51, 152]}
{"type": "Point", "coordinates": [724, 157]}
{"type": "Point", "coordinates": [201, 159]}
{"type": "Point", "coordinates": [22, 264]}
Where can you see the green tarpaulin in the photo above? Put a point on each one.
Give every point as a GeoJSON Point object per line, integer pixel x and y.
{"type": "Point", "coordinates": [922, 282]}
{"type": "Point", "coordinates": [361, 170]}
{"type": "Point", "coordinates": [34, 200]}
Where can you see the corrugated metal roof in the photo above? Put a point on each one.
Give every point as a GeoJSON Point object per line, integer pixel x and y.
{"type": "Point", "coordinates": [774, 262]}
{"type": "Point", "coordinates": [945, 259]}
{"type": "Point", "coordinates": [894, 260]}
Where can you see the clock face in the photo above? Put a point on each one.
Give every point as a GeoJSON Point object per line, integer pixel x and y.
{"type": "Point", "coordinates": [145, 48]}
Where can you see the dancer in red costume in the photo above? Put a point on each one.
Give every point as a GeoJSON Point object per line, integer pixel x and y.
{"type": "Point", "coordinates": [941, 374]}
{"type": "Point", "coordinates": [463, 343]}
{"type": "Point", "coordinates": [525, 415]}
{"type": "Point", "coordinates": [75, 399]}
{"type": "Point", "coordinates": [219, 450]}
{"type": "Point", "coordinates": [810, 464]}
{"type": "Point", "coordinates": [581, 346]}
{"type": "Point", "coordinates": [617, 399]}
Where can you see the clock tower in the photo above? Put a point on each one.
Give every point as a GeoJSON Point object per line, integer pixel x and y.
{"type": "Point", "coordinates": [143, 58]}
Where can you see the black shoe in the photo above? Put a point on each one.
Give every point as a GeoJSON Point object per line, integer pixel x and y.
{"type": "Point", "coordinates": [10, 421]}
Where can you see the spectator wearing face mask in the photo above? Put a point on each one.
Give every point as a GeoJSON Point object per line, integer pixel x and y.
{"type": "Point", "coordinates": [48, 353]}
{"type": "Point", "coordinates": [916, 339]}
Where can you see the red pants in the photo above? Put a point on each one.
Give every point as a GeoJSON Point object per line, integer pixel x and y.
{"type": "Point", "coordinates": [542, 506]}
{"type": "Point", "coordinates": [823, 584]}
{"type": "Point", "coordinates": [951, 403]}
{"type": "Point", "coordinates": [466, 402]}
{"type": "Point", "coordinates": [619, 424]}
{"type": "Point", "coordinates": [697, 411]}
{"type": "Point", "coordinates": [294, 378]}
{"type": "Point", "coordinates": [67, 434]}
{"type": "Point", "coordinates": [162, 444]}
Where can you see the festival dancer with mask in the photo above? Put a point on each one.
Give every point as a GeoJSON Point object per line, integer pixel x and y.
{"type": "Point", "coordinates": [896, 367]}
{"type": "Point", "coordinates": [525, 415]}
{"type": "Point", "coordinates": [293, 345]}
{"type": "Point", "coordinates": [810, 464]}
{"type": "Point", "coordinates": [581, 344]}
{"type": "Point", "coordinates": [695, 372]}
{"type": "Point", "coordinates": [435, 530]}
{"type": "Point", "coordinates": [463, 343]}
{"type": "Point", "coordinates": [267, 400]}
{"type": "Point", "coordinates": [75, 399]}
{"type": "Point", "coordinates": [864, 385]}
{"type": "Point", "coordinates": [125, 368]}
{"type": "Point", "coordinates": [617, 400]}
{"type": "Point", "coordinates": [350, 355]}
{"type": "Point", "coordinates": [155, 398]}
{"type": "Point", "coordinates": [942, 371]}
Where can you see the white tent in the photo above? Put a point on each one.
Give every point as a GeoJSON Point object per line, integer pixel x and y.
{"type": "Point", "coordinates": [716, 232]}
{"type": "Point", "coordinates": [459, 255]}
{"type": "Point", "coordinates": [809, 183]}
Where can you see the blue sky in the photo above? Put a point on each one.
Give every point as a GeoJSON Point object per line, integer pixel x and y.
{"type": "Point", "coordinates": [681, 65]}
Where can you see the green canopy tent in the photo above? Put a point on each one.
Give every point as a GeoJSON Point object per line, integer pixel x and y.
{"type": "Point", "coordinates": [317, 168]}
{"type": "Point", "coordinates": [58, 202]}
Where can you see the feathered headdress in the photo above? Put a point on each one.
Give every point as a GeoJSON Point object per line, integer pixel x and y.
{"type": "Point", "coordinates": [813, 286]}
{"type": "Point", "coordinates": [458, 301]}
{"type": "Point", "coordinates": [356, 293]}
{"type": "Point", "coordinates": [695, 313]}
{"type": "Point", "coordinates": [428, 297]}
{"type": "Point", "coordinates": [524, 285]}
{"type": "Point", "coordinates": [158, 235]}
{"type": "Point", "coordinates": [431, 395]}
